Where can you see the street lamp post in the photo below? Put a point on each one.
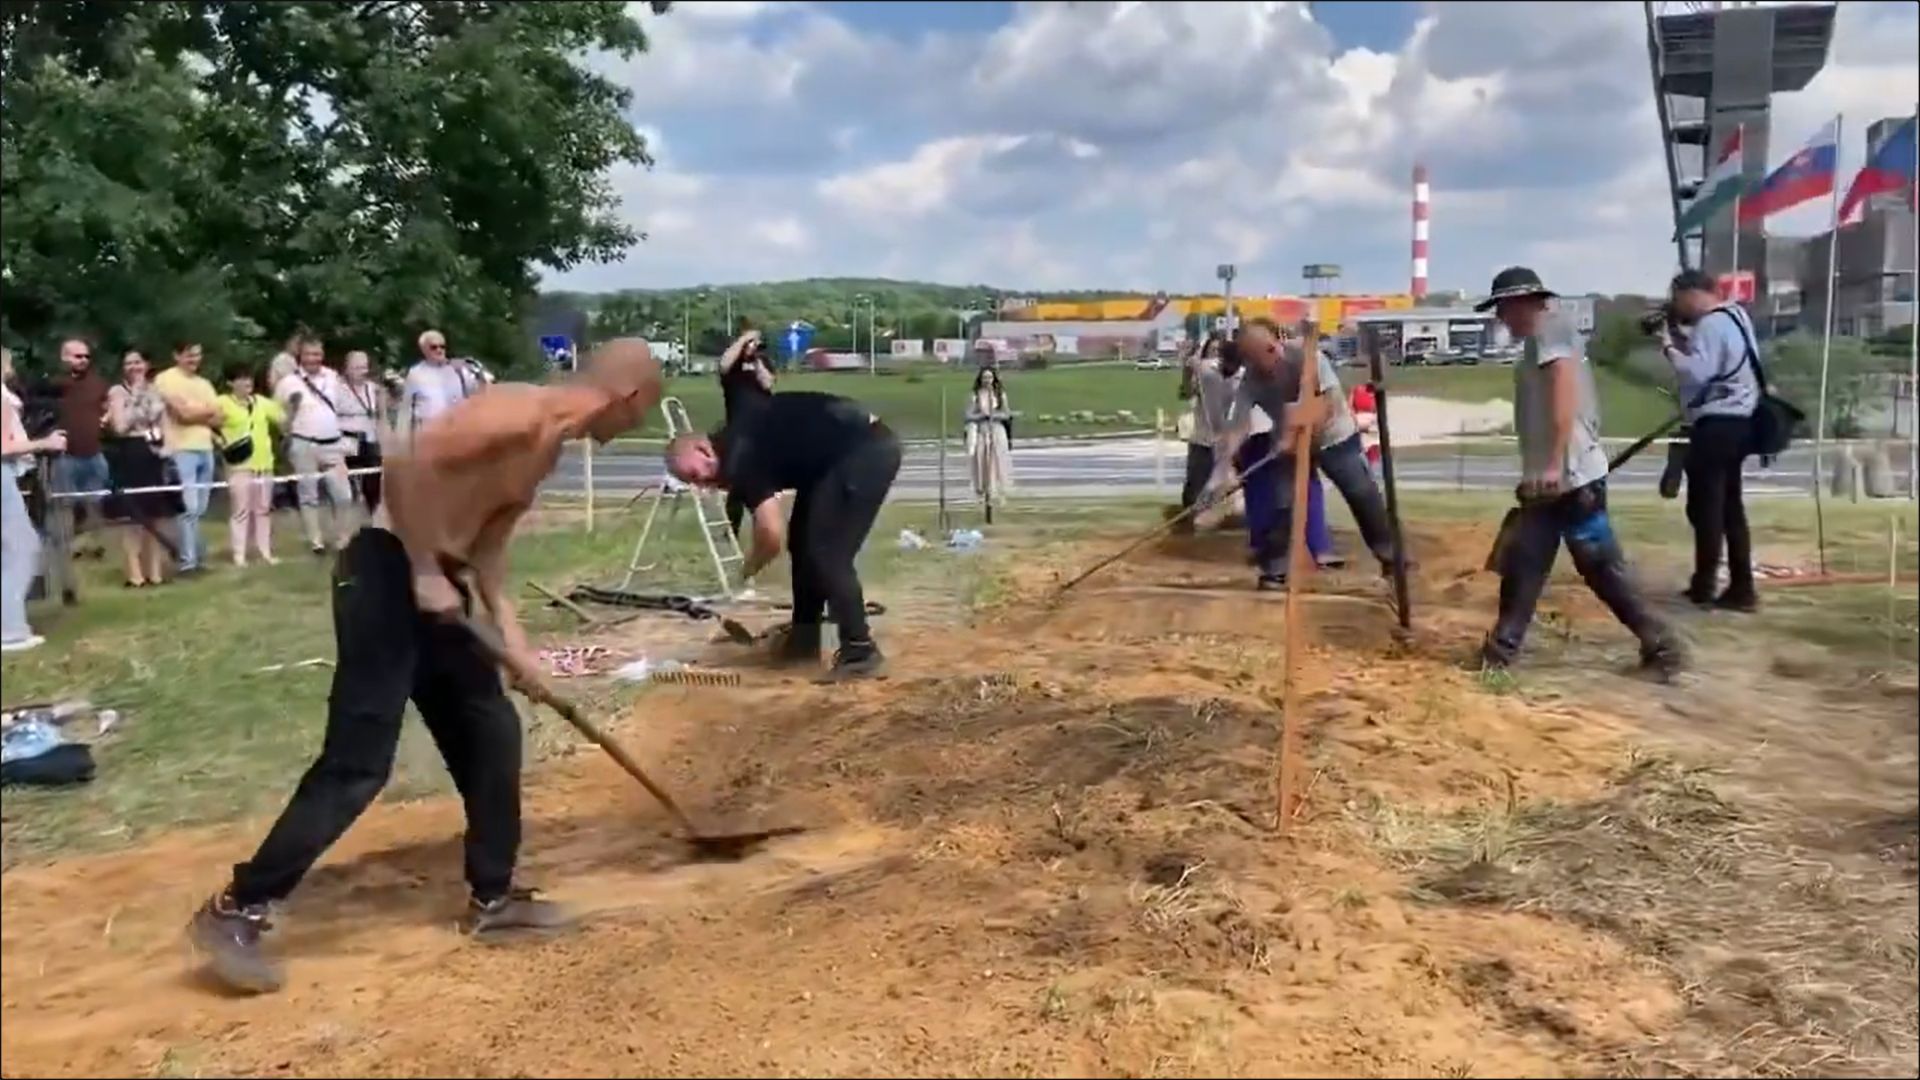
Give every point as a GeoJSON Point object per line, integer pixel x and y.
{"type": "Point", "coordinates": [871, 366]}
{"type": "Point", "coordinates": [1225, 273]}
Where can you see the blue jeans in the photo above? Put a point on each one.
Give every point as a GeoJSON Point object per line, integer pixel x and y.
{"type": "Point", "coordinates": [1263, 507]}
{"type": "Point", "coordinates": [88, 473]}
{"type": "Point", "coordinates": [1346, 465]}
{"type": "Point", "coordinates": [196, 472]}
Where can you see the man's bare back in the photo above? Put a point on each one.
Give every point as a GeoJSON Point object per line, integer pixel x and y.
{"type": "Point", "coordinates": [455, 496]}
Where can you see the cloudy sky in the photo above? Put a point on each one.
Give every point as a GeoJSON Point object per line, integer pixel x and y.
{"type": "Point", "coordinates": [1137, 145]}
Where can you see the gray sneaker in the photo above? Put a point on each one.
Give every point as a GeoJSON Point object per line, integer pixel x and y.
{"type": "Point", "coordinates": [519, 911]}
{"type": "Point", "coordinates": [228, 937]}
{"type": "Point", "coordinates": [856, 660]}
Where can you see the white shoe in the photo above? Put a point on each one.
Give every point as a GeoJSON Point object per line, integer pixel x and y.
{"type": "Point", "coordinates": [31, 641]}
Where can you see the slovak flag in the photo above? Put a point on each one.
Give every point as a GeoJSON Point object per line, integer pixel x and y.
{"type": "Point", "coordinates": [1806, 175]}
{"type": "Point", "coordinates": [1889, 169]}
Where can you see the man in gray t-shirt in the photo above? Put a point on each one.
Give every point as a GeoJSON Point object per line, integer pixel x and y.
{"type": "Point", "coordinates": [1563, 481]}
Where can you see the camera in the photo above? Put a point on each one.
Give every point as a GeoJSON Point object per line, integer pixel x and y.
{"type": "Point", "coordinates": [1662, 317]}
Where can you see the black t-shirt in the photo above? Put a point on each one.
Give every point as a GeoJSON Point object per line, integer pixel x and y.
{"type": "Point", "coordinates": [788, 442]}
{"type": "Point", "coordinates": [740, 385]}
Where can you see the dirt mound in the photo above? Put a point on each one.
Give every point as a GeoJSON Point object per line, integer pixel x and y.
{"type": "Point", "coordinates": [1044, 847]}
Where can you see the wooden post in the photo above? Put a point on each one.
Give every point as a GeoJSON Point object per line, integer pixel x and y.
{"type": "Point", "coordinates": [1403, 605]}
{"type": "Point", "coordinates": [588, 472]}
{"type": "Point", "coordinates": [1299, 565]}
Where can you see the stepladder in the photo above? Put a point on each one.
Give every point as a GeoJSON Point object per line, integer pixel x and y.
{"type": "Point", "coordinates": [709, 512]}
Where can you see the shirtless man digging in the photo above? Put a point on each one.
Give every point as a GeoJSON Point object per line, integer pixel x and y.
{"type": "Point", "coordinates": [399, 589]}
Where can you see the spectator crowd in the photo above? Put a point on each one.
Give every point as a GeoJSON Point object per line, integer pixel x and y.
{"type": "Point", "coordinates": [139, 450]}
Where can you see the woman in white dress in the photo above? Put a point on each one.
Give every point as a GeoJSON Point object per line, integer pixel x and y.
{"type": "Point", "coordinates": [990, 439]}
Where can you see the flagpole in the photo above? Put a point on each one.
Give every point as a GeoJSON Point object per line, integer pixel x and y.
{"type": "Point", "coordinates": [1826, 356]}
{"type": "Point", "coordinates": [1740, 134]}
{"type": "Point", "coordinates": [1913, 323]}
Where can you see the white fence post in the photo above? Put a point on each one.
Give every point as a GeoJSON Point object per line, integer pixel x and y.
{"type": "Point", "coordinates": [588, 473]}
{"type": "Point", "coordinates": [1159, 451]}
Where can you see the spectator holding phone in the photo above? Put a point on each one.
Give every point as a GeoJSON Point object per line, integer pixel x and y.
{"type": "Point", "coordinates": [746, 382]}
{"type": "Point", "coordinates": [19, 544]}
{"type": "Point", "coordinates": [136, 419]}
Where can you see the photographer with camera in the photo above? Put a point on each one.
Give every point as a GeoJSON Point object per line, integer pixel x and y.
{"type": "Point", "coordinates": [746, 383]}
{"type": "Point", "coordinates": [1710, 344]}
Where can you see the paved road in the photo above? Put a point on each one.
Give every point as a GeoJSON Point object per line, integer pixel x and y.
{"type": "Point", "coordinates": [1127, 467]}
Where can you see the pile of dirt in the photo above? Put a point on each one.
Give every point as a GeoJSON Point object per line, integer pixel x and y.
{"type": "Point", "coordinates": [1046, 846]}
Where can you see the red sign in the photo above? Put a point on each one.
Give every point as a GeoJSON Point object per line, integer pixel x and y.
{"type": "Point", "coordinates": [1736, 286]}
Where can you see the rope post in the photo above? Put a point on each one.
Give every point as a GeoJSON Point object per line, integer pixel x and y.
{"type": "Point", "coordinates": [588, 469]}
{"type": "Point", "coordinates": [1159, 451]}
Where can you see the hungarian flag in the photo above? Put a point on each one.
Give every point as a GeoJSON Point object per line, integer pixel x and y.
{"type": "Point", "coordinates": [1806, 175]}
{"type": "Point", "coordinates": [1890, 168]}
{"type": "Point", "coordinates": [1719, 190]}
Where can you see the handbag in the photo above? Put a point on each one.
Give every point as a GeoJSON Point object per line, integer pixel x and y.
{"type": "Point", "coordinates": [239, 451]}
{"type": "Point", "coordinates": [1775, 420]}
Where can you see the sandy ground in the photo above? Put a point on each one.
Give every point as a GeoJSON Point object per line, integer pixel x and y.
{"type": "Point", "coordinates": [1418, 420]}
{"type": "Point", "coordinates": [1045, 847]}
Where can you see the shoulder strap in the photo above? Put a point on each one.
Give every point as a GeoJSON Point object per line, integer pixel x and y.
{"type": "Point", "coordinates": [1752, 356]}
{"type": "Point", "coordinates": [316, 393]}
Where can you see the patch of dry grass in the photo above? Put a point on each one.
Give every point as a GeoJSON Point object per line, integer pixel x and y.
{"type": "Point", "coordinates": [1809, 961]}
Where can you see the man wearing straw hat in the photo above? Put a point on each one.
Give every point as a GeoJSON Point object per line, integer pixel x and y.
{"type": "Point", "coordinates": [1563, 480]}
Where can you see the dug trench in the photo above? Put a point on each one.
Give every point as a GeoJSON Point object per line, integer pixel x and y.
{"type": "Point", "coordinates": [1045, 846]}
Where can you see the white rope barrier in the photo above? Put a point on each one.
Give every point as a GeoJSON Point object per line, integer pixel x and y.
{"type": "Point", "coordinates": [161, 489]}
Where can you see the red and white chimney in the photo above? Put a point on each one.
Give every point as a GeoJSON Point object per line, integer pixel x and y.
{"type": "Point", "coordinates": [1421, 195]}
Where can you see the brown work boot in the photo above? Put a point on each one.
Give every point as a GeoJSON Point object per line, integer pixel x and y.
{"type": "Point", "coordinates": [519, 911]}
{"type": "Point", "coordinates": [795, 645]}
{"type": "Point", "coordinates": [228, 937]}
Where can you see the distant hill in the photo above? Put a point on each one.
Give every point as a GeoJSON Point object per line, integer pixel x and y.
{"type": "Point", "coordinates": [912, 309]}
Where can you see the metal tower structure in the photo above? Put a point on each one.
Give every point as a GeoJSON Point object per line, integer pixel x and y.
{"type": "Point", "coordinates": [1715, 68]}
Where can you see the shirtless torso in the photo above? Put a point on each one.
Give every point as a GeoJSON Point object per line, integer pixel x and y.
{"type": "Point", "coordinates": [456, 495]}
{"type": "Point", "coordinates": [452, 502]}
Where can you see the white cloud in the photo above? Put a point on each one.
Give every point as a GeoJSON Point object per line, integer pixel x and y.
{"type": "Point", "coordinates": [1134, 144]}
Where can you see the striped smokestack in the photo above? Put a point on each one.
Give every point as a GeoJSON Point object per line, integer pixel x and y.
{"type": "Point", "coordinates": [1420, 198]}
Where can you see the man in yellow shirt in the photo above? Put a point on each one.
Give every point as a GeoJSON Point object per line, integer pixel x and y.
{"type": "Point", "coordinates": [187, 438]}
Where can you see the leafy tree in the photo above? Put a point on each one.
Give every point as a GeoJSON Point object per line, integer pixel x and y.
{"type": "Point", "coordinates": [233, 171]}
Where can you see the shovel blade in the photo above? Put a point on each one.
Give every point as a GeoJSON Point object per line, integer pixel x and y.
{"type": "Point", "coordinates": [1497, 555]}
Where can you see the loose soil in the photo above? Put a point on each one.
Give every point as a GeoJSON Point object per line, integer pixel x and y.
{"type": "Point", "coordinates": [1046, 847]}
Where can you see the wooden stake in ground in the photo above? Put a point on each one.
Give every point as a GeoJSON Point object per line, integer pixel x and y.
{"type": "Point", "coordinates": [1299, 565]}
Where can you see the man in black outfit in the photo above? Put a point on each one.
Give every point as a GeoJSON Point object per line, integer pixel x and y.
{"type": "Point", "coordinates": [841, 460]}
{"type": "Point", "coordinates": [746, 381]}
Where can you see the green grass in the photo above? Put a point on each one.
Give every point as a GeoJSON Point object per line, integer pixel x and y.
{"type": "Point", "coordinates": [208, 737]}
{"type": "Point", "coordinates": [910, 402]}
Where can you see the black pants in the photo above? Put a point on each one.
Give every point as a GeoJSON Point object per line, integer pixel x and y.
{"type": "Point", "coordinates": [736, 511]}
{"type": "Point", "coordinates": [1345, 465]}
{"type": "Point", "coordinates": [367, 457]}
{"type": "Point", "coordinates": [390, 652]}
{"type": "Point", "coordinates": [1716, 506]}
{"type": "Point", "coordinates": [1199, 471]}
{"type": "Point", "coordinates": [1578, 518]}
{"type": "Point", "coordinates": [830, 521]}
